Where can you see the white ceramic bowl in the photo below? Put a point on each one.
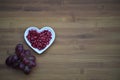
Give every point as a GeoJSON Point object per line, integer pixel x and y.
{"type": "Point", "coordinates": [39, 30]}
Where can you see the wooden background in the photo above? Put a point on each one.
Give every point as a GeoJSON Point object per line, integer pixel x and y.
{"type": "Point", "coordinates": [87, 45]}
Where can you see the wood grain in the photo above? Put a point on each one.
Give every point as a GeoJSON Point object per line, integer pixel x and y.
{"type": "Point", "coordinates": [87, 45]}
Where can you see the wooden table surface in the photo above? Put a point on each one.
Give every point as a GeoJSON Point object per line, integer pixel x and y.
{"type": "Point", "coordinates": [87, 45]}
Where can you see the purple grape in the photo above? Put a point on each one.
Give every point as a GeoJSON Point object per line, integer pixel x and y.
{"type": "Point", "coordinates": [22, 55]}
{"type": "Point", "coordinates": [19, 49]}
{"type": "Point", "coordinates": [32, 64]}
{"type": "Point", "coordinates": [27, 70]}
{"type": "Point", "coordinates": [27, 52]}
{"type": "Point", "coordinates": [32, 58]}
{"type": "Point", "coordinates": [14, 58]}
{"type": "Point", "coordinates": [9, 61]}
{"type": "Point", "coordinates": [25, 61]}
{"type": "Point", "coordinates": [21, 66]}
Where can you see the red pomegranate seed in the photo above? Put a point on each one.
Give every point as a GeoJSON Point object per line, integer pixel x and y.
{"type": "Point", "coordinates": [39, 40]}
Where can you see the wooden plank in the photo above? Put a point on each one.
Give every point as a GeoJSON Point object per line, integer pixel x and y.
{"type": "Point", "coordinates": [87, 44]}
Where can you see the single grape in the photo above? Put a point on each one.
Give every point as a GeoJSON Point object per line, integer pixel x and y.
{"type": "Point", "coordinates": [21, 66]}
{"type": "Point", "coordinates": [32, 64]}
{"type": "Point", "coordinates": [27, 70]}
{"type": "Point", "coordinates": [14, 58]}
{"type": "Point", "coordinates": [19, 49]}
{"type": "Point", "coordinates": [22, 55]}
{"type": "Point", "coordinates": [25, 61]}
{"type": "Point", "coordinates": [27, 52]}
{"type": "Point", "coordinates": [9, 61]}
{"type": "Point", "coordinates": [32, 58]}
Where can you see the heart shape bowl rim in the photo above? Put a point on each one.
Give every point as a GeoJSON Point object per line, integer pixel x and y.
{"type": "Point", "coordinates": [39, 30]}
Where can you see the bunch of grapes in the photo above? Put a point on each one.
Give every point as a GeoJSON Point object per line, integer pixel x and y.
{"type": "Point", "coordinates": [23, 59]}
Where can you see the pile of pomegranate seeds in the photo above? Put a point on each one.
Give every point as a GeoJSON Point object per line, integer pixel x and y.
{"type": "Point", "coordinates": [39, 40]}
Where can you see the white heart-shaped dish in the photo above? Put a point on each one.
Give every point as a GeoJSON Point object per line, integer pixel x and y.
{"type": "Point", "coordinates": [40, 30]}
